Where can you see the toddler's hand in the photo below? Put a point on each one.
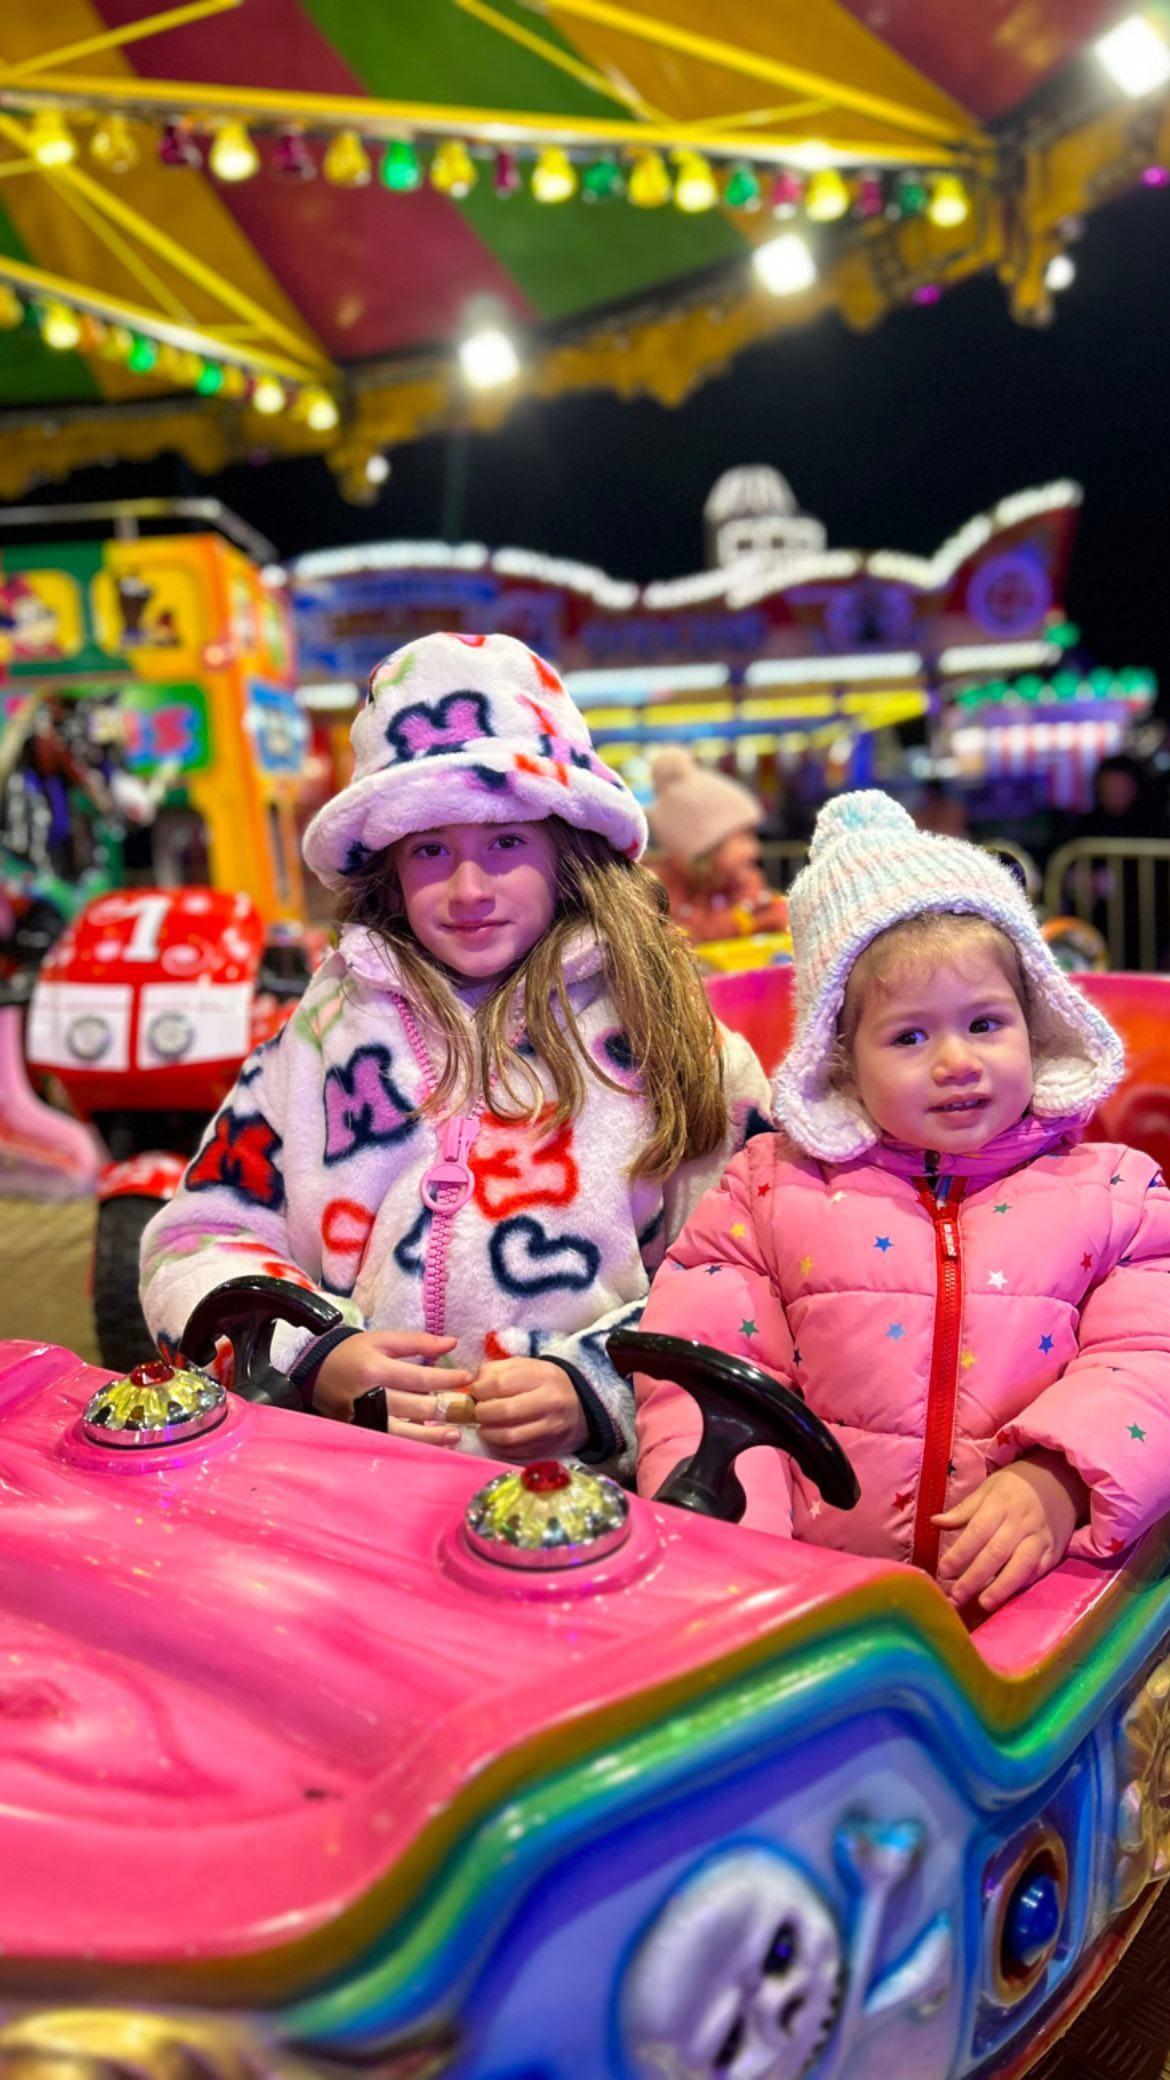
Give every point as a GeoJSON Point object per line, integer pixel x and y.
{"type": "Point", "coordinates": [1018, 1523]}
{"type": "Point", "coordinates": [528, 1408]}
{"type": "Point", "coordinates": [376, 1358]}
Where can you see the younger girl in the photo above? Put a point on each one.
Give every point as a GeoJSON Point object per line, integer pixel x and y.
{"type": "Point", "coordinates": [501, 1095]}
{"type": "Point", "coordinates": [974, 1296]}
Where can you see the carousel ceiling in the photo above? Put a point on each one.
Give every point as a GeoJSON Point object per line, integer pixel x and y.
{"type": "Point", "coordinates": [295, 224]}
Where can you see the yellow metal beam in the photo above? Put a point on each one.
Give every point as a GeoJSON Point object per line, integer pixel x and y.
{"type": "Point", "coordinates": [614, 90]}
{"type": "Point", "coordinates": [139, 269]}
{"type": "Point", "coordinates": [185, 264]}
{"type": "Point", "coordinates": [163, 98]}
{"type": "Point", "coordinates": [192, 339]}
{"type": "Point", "coordinates": [733, 58]}
{"type": "Point", "coordinates": [115, 39]}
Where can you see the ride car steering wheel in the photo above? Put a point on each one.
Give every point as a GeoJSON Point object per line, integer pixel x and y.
{"type": "Point", "coordinates": [246, 1311]}
{"type": "Point", "coordinates": [741, 1406]}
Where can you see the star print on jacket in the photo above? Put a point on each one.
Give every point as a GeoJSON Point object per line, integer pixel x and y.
{"type": "Point", "coordinates": [242, 1155]}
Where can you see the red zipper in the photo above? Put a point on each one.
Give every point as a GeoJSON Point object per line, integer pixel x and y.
{"type": "Point", "coordinates": [943, 1391]}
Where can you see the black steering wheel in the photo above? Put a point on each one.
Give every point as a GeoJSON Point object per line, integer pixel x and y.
{"type": "Point", "coordinates": [246, 1311]}
{"type": "Point", "coordinates": [741, 1406]}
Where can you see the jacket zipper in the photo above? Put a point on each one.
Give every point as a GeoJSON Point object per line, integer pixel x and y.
{"type": "Point", "coordinates": [943, 1390]}
{"type": "Point", "coordinates": [446, 1185]}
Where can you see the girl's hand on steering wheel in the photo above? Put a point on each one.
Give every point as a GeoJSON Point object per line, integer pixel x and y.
{"type": "Point", "coordinates": [528, 1408]}
{"type": "Point", "coordinates": [416, 1395]}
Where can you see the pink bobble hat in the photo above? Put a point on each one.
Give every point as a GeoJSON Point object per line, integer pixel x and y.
{"type": "Point", "coordinates": [467, 729]}
{"type": "Point", "coordinates": [869, 868]}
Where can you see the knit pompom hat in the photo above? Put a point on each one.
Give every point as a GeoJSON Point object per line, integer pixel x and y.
{"type": "Point", "coordinates": [467, 729]}
{"type": "Point", "coordinates": [695, 809]}
{"type": "Point", "coordinates": [870, 868]}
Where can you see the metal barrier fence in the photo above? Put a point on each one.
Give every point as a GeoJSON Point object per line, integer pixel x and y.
{"type": "Point", "coordinates": [1122, 886]}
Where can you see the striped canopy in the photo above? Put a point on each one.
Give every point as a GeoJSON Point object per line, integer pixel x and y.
{"type": "Point", "coordinates": [192, 301]}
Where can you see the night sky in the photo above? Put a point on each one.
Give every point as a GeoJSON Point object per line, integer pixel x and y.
{"type": "Point", "coordinates": [892, 438]}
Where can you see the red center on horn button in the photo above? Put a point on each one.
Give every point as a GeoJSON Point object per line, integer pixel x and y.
{"type": "Point", "coordinates": [545, 1476]}
{"type": "Point", "coordinates": [152, 1374]}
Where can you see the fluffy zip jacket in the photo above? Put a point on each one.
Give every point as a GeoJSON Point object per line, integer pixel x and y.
{"type": "Point", "coordinates": [312, 1169]}
{"type": "Point", "coordinates": [1023, 1303]}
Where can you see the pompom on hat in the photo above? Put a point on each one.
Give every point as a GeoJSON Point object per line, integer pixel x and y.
{"type": "Point", "coordinates": [694, 808]}
{"type": "Point", "coordinates": [467, 729]}
{"type": "Point", "coordinates": [869, 868]}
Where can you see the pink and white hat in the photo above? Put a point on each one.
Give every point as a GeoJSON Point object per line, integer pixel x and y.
{"type": "Point", "coordinates": [467, 729]}
{"type": "Point", "coordinates": [869, 868]}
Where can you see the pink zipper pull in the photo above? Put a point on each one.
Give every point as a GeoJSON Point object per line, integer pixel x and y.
{"type": "Point", "coordinates": [448, 1184]}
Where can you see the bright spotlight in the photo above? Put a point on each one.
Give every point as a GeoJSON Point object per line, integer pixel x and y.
{"type": "Point", "coordinates": [785, 265]}
{"type": "Point", "coordinates": [1135, 55]}
{"type": "Point", "coordinates": [1060, 273]}
{"type": "Point", "coordinates": [488, 358]}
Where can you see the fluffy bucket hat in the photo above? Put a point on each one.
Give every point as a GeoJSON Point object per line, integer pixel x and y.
{"type": "Point", "coordinates": [694, 808]}
{"type": "Point", "coordinates": [870, 868]}
{"type": "Point", "coordinates": [467, 729]}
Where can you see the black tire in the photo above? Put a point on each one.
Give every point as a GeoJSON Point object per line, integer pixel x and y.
{"type": "Point", "coordinates": [123, 1337]}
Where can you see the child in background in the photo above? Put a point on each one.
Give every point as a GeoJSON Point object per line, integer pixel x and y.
{"type": "Point", "coordinates": [973, 1295]}
{"type": "Point", "coordinates": [705, 825]}
{"type": "Point", "coordinates": [500, 1096]}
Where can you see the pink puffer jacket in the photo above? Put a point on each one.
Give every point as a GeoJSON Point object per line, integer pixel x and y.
{"type": "Point", "coordinates": [1025, 1306]}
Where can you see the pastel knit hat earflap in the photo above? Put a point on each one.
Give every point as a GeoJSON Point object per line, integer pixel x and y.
{"type": "Point", "coordinates": [695, 808]}
{"type": "Point", "coordinates": [870, 868]}
{"type": "Point", "coordinates": [467, 729]}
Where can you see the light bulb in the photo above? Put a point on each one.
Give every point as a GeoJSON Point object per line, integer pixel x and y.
{"type": "Point", "coordinates": [377, 469]}
{"type": "Point", "coordinates": [112, 145]}
{"type": "Point", "coordinates": [827, 197]}
{"type": "Point", "coordinates": [318, 409]}
{"type": "Point", "coordinates": [649, 184]}
{"type": "Point", "coordinates": [785, 265]}
{"type": "Point", "coordinates": [233, 156]}
{"type": "Point", "coordinates": [488, 358]}
{"type": "Point", "coordinates": [347, 163]}
{"type": "Point", "coordinates": [949, 202]}
{"type": "Point", "coordinates": [452, 168]}
{"type": "Point", "coordinates": [554, 177]}
{"type": "Point", "coordinates": [400, 170]}
{"type": "Point", "coordinates": [1135, 55]}
{"type": "Point", "coordinates": [60, 327]}
{"type": "Point", "coordinates": [1060, 273]}
{"type": "Point", "coordinates": [694, 184]}
{"type": "Point", "coordinates": [268, 396]}
{"type": "Point", "coordinates": [11, 309]}
{"type": "Point", "coordinates": [50, 139]}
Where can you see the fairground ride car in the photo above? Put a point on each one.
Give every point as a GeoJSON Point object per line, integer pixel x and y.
{"type": "Point", "coordinates": [143, 1012]}
{"type": "Point", "coordinates": [321, 1756]}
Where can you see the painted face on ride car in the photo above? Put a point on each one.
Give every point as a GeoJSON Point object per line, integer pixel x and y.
{"type": "Point", "coordinates": [941, 1055]}
{"type": "Point", "coordinates": [478, 895]}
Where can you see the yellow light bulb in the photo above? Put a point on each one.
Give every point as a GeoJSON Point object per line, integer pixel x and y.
{"type": "Point", "coordinates": [11, 309]}
{"type": "Point", "coordinates": [233, 156]}
{"type": "Point", "coordinates": [112, 145]}
{"type": "Point", "coordinates": [50, 139]}
{"type": "Point", "coordinates": [827, 196]}
{"type": "Point", "coordinates": [694, 184]}
{"type": "Point", "coordinates": [269, 396]}
{"type": "Point", "coordinates": [60, 327]}
{"type": "Point", "coordinates": [649, 184]}
{"type": "Point", "coordinates": [554, 177]}
{"type": "Point", "coordinates": [235, 382]}
{"type": "Point", "coordinates": [452, 168]}
{"type": "Point", "coordinates": [347, 162]}
{"type": "Point", "coordinates": [949, 202]}
{"type": "Point", "coordinates": [318, 410]}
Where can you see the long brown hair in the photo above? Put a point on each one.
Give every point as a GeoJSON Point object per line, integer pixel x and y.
{"type": "Point", "coordinates": [650, 973]}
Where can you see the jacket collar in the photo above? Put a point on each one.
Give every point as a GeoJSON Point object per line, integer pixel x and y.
{"type": "Point", "coordinates": [1029, 1138]}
